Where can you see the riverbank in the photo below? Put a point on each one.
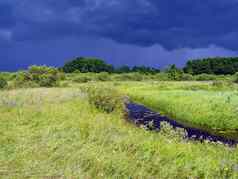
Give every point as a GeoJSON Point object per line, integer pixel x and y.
{"type": "Point", "coordinates": [198, 105]}
{"type": "Point", "coordinates": [144, 117]}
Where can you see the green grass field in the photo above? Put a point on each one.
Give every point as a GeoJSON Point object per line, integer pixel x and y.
{"type": "Point", "coordinates": [196, 104]}
{"type": "Point", "coordinates": [56, 132]}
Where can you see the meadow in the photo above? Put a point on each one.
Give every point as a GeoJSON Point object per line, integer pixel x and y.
{"type": "Point", "coordinates": [197, 104]}
{"type": "Point", "coordinates": [79, 129]}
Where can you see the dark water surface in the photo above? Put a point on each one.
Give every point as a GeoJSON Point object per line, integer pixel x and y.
{"type": "Point", "coordinates": [141, 115]}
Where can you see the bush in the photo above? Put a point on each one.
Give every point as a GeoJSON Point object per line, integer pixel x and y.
{"type": "Point", "coordinates": [7, 76]}
{"type": "Point", "coordinates": [3, 83]}
{"type": "Point", "coordinates": [42, 76]}
{"type": "Point", "coordinates": [22, 80]}
{"type": "Point", "coordinates": [175, 76]}
{"type": "Point", "coordinates": [175, 133]}
{"type": "Point", "coordinates": [174, 73]}
{"type": "Point", "coordinates": [105, 99]}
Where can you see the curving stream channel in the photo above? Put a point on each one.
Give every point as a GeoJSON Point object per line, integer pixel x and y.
{"type": "Point", "coordinates": [140, 115]}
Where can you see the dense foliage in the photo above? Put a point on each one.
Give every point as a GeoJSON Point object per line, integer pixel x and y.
{"type": "Point", "coordinates": [216, 66]}
{"type": "Point", "coordinates": [137, 69]}
{"type": "Point", "coordinates": [8, 75]}
{"type": "Point", "coordinates": [105, 99]}
{"type": "Point", "coordinates": [174, 73]}
{"type": "Point", "coordinates": [85, 65]}
{"type": "Point", "coordinates": [38, 76]}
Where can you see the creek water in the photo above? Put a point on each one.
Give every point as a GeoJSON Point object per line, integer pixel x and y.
{"type": "Point", "coordinates": [141, 115]}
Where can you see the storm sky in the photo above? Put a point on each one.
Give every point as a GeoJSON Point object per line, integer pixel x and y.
{"type": "Point", "coordinates": [132, 32]}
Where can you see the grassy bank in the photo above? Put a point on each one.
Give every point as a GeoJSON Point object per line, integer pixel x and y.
{"type": "Point", "coordinates": [58, 133]}
{"type": "Point", "coordinates": [203, 105]}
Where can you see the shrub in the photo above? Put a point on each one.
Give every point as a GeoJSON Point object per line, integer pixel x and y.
{"type": "Point", "coordinates": [3, 83]}
{"type": "Point", "coordinates": [174, 73]}
{"type": "Point", "coordinates": [23, 80]}
{"type": "Point", "coordinates": [106, 99]}
{"type": "Point", "coordinates": [7, 76]}
{"type": "Point", "coordinates": [47, 80]}
{"type": "Point", "coordinates": [175, 133]}
{"type": "Point", "coordinates": [42, 76]}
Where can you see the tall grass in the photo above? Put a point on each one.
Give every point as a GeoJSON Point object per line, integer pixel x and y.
{"type": "Point", "coordinates": [204, 105]}
{"type": "Point", "coordinates": [58, 133]}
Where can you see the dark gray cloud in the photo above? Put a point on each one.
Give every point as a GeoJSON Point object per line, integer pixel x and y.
{"type": "Point", "coordinates": [171, 24]}
{"type": "Point", "coordinates": [57, 51]}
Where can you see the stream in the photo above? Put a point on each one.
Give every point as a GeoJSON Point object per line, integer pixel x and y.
{"type": "Point", "coordinates": [141, 115]}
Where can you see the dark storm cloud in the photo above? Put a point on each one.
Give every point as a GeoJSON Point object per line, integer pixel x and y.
{"type": "Point", "coordinates": [7, 18]}
{"type": "Point", "coordinates": [150, 32]}
{"type": "Point", "coordinates": [171, 23]}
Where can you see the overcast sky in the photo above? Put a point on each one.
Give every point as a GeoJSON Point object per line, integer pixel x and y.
{"type": "Point", "coordinates": [133, 32]}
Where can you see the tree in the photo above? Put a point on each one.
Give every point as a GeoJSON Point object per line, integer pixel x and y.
{"type": "Point", "coordinates": [216, 65]}
{"type": "Point", "coordinates": [174, 73]}
{"type": "Point", "coordinates": [85, 65]}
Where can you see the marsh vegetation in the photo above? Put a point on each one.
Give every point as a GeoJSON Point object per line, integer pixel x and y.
{"type": "Point", "coordinates": [74, 125]}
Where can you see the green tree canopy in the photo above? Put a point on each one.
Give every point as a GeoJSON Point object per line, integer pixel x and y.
{"type": "Point", "coordinates": [217, 65]}
{"type": "Point", "coordinates": [85, 65]}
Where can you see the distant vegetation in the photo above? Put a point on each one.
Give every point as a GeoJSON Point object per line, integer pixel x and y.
{"type": "Point", "coordinates": [83, 70]}
{"type": "Point", "coordinates": [217, 66]}
{"type": "Point", "coordinates": [86, 65]}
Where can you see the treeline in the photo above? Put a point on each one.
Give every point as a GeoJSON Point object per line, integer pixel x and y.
{"type": "Point", "coordinates": [94, 65]}
{"type": "Point", "coordinates": [92, 69]}
{"type": "Point", "coordinates": [217, 66]}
